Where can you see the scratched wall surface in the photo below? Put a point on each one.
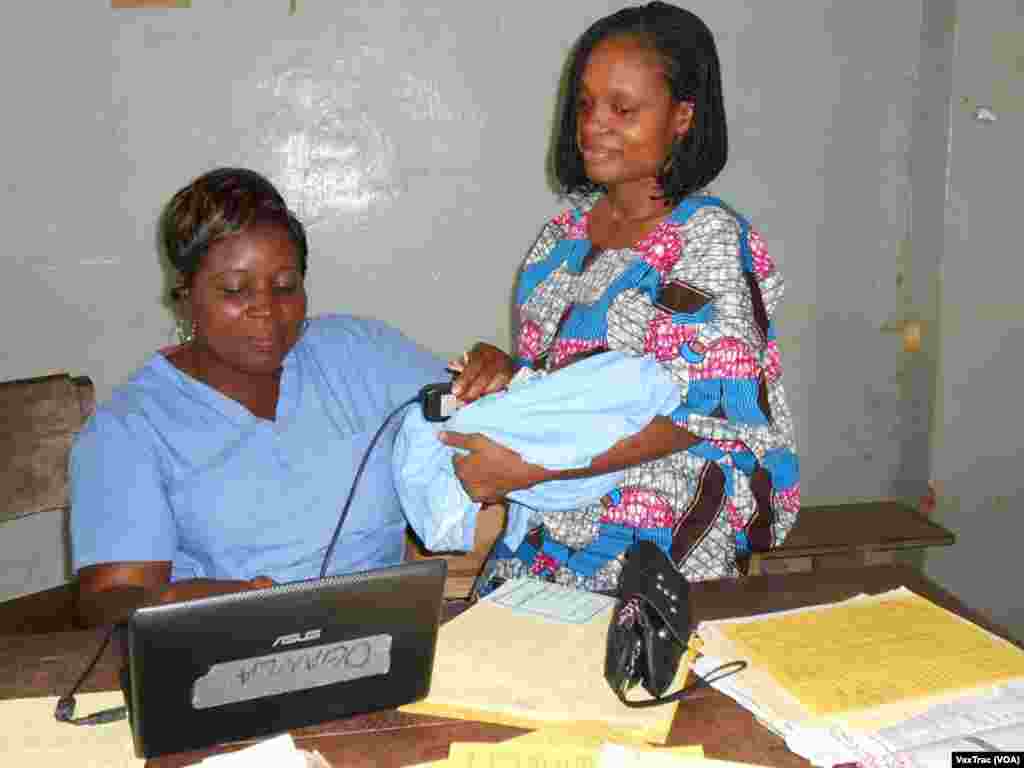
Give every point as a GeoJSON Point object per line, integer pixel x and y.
{"type": "Point", "coordinates": [412, 138]}
{"type": "Point", "coordinates": [977, 437]}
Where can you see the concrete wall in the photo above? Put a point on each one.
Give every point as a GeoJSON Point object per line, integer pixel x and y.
{"type": "Point", "coordinates": [975, 443]}
{"type": "Point", "coordinates": [412, 137]}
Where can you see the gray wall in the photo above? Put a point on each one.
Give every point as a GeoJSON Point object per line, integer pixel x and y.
{"type": "Point", "coordinates": [975, 445]}
{"type": "Point", "coordinates": [412, 137]}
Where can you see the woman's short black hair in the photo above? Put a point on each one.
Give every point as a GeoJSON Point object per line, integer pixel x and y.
{"type": "Point", "coordinates": [218, 204]}
{"type": "Point", "coordinates": [687, 49]}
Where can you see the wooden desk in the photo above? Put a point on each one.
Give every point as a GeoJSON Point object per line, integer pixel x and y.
{"type": "Point", "coordinates": [844, 535]}
{"type": "Point", "coordinates": [52, 610]}
{"type": "Point", "coordinates": [48, 664]}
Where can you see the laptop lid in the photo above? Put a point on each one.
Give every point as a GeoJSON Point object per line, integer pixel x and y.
{"type": "Point", "coordinates": [219, 669]}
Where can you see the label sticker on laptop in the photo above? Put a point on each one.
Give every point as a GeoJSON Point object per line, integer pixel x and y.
{"type": "Point", "coordinates": [296, 670]}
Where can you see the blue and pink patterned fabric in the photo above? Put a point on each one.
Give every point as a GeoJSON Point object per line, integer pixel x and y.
{"type": "Point", "coordinates": [699, 293]}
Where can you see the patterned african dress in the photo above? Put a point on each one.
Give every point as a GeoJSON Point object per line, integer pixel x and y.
{"type": "Point", "coordinates": [698, 293]}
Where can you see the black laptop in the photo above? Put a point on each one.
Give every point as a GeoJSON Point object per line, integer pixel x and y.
{"type": "Point", "coordinates": [232, 667]}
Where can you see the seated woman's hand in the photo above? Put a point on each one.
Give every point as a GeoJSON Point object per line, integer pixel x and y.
{"type": "Point", "coordinates": [192, 589]}
{"type": "Point", "coordinates": [489, 471]}
{"type": "Point", "coordinates": [485, 369]}
{"type": "Point", "coordinates": [109, 592]}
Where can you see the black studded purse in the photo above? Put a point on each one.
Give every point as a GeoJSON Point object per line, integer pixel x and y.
{"type": "Point", "coordinates": [650, 628]}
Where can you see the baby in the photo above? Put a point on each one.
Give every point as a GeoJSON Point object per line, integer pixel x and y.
{"type": "Point", "coordinates": [560, 420]}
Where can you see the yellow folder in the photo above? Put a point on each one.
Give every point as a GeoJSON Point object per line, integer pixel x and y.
{"type": "Point", "coordinates": [496, 665]}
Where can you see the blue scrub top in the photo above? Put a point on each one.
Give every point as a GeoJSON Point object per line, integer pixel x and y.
{"type": "Point", "coordinates": [171, 469]}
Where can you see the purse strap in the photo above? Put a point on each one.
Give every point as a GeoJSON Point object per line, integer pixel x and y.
{"type": "Point", "coordinates": [718, 673]}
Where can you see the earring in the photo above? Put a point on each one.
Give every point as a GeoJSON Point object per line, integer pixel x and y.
{"type": "Point", "coordinates": [673, 148]}
{"type": "Point", "coordinates": [186, 331]}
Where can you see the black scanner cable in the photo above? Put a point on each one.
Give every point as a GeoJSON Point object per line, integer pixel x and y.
{"type": "Point", "coordinates": [355, 480]}
{"type": "Point", "coordinates": [65, 709]}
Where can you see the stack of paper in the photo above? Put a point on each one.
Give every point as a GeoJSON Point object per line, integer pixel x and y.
{"type": "Point", "coordinates": [889, 680]}
{"type": "Point", "coordinates": [532, 655]}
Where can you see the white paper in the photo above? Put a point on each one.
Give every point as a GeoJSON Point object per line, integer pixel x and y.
{"type": "Point", "coordinates": [1001, 707]}
{"type": "Point", "coordinates": [277, 752]}
{"type": "Point", "coordinates": [992, 720]}
{"type": "Point", "coordinates": [550, 601]}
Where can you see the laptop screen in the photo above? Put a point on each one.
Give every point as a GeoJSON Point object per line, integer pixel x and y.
{"type": "Point", "coordinates": [219, 669]}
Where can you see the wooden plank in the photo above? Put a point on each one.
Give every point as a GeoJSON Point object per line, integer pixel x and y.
{"type": "Point", "coordinates": [862, 527]}
{"type": "Point", "coordinates": [52, 610]}
{"type": "Point", "coordinates": [825, 536]}
{"type": "Point", "coordinates": [781, 565]}
{"type": "Point", "coordinates": [847, 535]}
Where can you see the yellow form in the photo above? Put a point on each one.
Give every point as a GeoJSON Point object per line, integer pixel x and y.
{"type": "Point", "coordinates": [867, 653]}
{"type": "Point", "coordinates": [497, 664]}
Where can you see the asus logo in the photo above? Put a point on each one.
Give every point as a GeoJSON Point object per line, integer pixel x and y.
{"type": "Point", "coordinates": [297, 637]}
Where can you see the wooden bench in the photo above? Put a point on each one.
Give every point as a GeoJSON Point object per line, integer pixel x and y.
{"type": "Point", "coordinates": [841, 535]}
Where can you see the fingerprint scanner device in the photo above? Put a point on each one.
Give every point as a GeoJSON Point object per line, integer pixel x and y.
{"type": "Point", "coordinates": [438, 401]}
{"type": "Point", "coordinates": [230, 667]}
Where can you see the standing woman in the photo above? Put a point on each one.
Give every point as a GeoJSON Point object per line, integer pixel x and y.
{"type": "Point", "coordinates": [645, 262]}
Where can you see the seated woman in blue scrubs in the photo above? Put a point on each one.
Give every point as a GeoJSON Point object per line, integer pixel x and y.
{"type": "Point", "coordinates": [222, 464]}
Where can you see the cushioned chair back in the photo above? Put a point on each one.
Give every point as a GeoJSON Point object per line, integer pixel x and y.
{"type": "Point", "coordinates": [38, 419]}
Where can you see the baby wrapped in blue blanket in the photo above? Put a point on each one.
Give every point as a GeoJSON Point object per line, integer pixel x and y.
{"type": "Point", "coordinates": [559, 420]}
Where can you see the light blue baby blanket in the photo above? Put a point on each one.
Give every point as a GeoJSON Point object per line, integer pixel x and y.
{"type": "Point", "coordinates": [560, 420]}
